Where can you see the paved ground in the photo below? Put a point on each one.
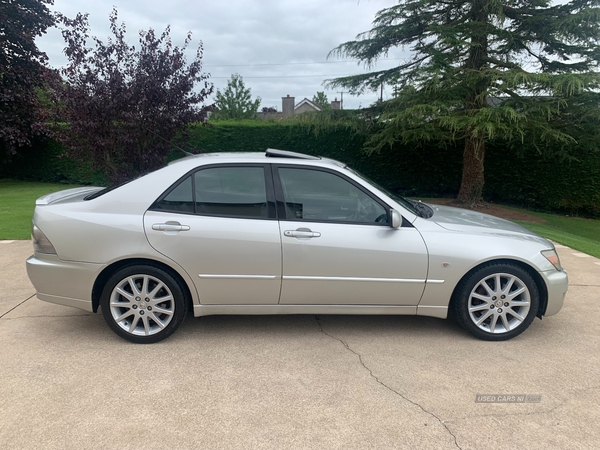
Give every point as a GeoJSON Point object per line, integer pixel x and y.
{"type": "Point", "coordinates": [67, 382]}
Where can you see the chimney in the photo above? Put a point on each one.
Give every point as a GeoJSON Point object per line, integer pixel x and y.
{"type": "Point", "coordinates": [335, 104]}
{"type": "Point", "coordinates": [287, 106]}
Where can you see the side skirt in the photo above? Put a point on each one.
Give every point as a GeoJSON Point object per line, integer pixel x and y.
{"type": "Point", "coordinates": [431, 311]}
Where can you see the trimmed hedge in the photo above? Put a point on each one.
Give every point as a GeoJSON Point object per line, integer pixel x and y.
{"type": "Point", "coordinates": [524, 177]}
{"type": "Point", "coordinates": [409, 170]}
{"type": "Point", "coordinates": [514, 174]}
{"type": "Point", "coordinates": [43, 161]}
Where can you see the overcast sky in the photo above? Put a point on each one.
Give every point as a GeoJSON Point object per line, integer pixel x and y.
{"type": "Point", "coordinates": [280, 47]}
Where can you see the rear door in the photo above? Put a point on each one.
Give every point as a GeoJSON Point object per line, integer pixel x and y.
{"type": "Point", "coordinates": [219, 223]}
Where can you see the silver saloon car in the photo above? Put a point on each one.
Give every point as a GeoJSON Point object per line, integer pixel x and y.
{"type": "Point", "coordinates": [283, 233]}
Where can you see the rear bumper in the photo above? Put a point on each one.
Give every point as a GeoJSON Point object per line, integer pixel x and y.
{"type": "Point", "coordinates": [65, 283]}
{"type": "Point", "coordinates": [557, 284]}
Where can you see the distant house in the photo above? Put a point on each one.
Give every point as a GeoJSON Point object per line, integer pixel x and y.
{"type": "Point", "coordinates": [306, 105]}
{"type": "Point", "coordinates": [289, 108]}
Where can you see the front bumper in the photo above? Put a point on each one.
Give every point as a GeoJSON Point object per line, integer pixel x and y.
{"type": "Point", "coordinates": [66, 283]}
{"type": "Point", "coordinates": [557, 283]}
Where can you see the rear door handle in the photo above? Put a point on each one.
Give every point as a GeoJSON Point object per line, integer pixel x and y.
{"type": "Point", "coordinates": [170, 226]}
{"type": "Point", "coordinates": [302, 233]}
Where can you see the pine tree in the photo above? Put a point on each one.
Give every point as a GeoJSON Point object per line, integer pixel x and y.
{"type": "Point", "coordinates": [479, 70]}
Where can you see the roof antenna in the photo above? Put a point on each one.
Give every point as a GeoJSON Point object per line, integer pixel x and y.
{"type": "Point", "coordinates": [166, 140]}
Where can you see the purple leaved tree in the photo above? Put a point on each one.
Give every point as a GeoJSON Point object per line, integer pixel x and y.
{"type": "Point", "coordinates": [119, 105]}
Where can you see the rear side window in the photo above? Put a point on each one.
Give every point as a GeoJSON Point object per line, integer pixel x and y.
{"type": "Point", "coordinates": [231, 191]}
{"type": "Point", "coordinates": [220, 191]}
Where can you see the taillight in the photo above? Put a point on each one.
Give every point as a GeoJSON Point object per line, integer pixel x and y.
{"type": "Point", "coordinates": [41, 244]}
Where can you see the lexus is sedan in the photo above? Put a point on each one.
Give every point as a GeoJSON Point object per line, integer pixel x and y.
{"type": "Point", "coordinates": [283, 233]}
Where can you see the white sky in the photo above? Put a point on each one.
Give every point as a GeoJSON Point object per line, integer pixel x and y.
{"type": "Point", "coordinates": [280, 47]}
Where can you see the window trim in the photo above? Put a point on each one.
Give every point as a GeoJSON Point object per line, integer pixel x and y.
{"type": "Point", "coordinates": [280, 198]}
{"type": "Point", "coordinates": [269, 191]}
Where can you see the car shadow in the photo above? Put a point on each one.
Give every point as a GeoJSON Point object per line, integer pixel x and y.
{"type": "Point", "coordinates": [278, 326]}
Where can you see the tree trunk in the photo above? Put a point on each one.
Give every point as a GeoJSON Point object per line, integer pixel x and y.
{"type": "Point", "coordinates": [471, 187]}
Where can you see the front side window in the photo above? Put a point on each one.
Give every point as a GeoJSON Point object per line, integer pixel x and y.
{"type": "Point", "coordinates": [219, 191]}
{"type": "Point", "coordinates": [315, 195]}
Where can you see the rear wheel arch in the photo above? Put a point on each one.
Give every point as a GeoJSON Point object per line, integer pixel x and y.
{"type": "Point", "coordinates": [109, 271]}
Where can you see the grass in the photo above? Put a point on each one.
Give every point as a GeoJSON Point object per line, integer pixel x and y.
{"type": "Point", "coordinates": [17, 200]}
{"type": "Point", "coordinates": [579, 234]}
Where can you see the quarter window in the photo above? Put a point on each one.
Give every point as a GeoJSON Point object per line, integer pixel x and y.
{"type": "Point", "coordinates": [179, 199]}
{"type": "Point", "coordinates": [315, 195]}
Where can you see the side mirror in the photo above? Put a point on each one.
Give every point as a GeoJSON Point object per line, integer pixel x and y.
{"type": "Point", "coordinates": [396, 221]}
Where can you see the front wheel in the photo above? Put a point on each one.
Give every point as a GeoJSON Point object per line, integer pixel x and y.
{"type": "Point", "coordinates": [143, 304]}
{"type": "Point", "coordinates": [496, 302]}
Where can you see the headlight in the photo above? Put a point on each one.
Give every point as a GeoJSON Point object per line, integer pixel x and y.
{"type": "Point", "coordinates": [41, 244]}
{"type": "Point", "coordinates": [552, 256]}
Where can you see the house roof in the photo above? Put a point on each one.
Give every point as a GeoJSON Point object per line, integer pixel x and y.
{"type": "Point", "coordinates": [306, 101]}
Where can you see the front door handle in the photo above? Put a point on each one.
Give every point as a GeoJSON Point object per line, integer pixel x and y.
{"type": "Point", "coordinates": [170, 226]}
{"type": "Point", "coordinates": [302, 233]}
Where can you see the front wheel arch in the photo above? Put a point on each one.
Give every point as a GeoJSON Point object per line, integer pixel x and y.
{"type": "Point", "coordinates": [541, 285]}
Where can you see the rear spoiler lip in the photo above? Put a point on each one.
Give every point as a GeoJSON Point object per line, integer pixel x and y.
{"type": "Point", "coordinates": [67, 193]}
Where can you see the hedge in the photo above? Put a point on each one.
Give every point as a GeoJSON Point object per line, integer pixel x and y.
{"type": "Point", "coordinates": [43, 161]}
{"type": "Point", "coordinates": [515, 174]}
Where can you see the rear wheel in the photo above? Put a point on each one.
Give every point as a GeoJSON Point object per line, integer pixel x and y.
{"type": "Point", "coordinates": [497, 302]}
{"type": "Point", "coordinates": [143, 304]}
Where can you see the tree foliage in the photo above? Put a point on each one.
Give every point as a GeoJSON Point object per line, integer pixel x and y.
{"type": "Point", "coordinates": [118, 105]}
{"type": "Point", "coordinates": [320, 98]}
{"type": "Point", "coordinates": [481, 70]}
{"type": "Point", "coordinates": [235, 102]}
{"type": "Point", "coordinates": [21, 70]}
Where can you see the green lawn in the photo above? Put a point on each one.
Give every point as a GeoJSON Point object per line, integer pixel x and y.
{"type": "Point", "coordinates": [17, 200]}
{"type": "Point", "coordinates": [579, 234]}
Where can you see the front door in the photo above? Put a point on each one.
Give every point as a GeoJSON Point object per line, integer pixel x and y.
{"type": "Point", "coordinates": [338, 247]}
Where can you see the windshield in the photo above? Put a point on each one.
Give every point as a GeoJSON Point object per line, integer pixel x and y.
{"type": "Point", "coordinates": [406, 203]}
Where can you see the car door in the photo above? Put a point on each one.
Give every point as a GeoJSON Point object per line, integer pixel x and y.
{"type": "Point", "coordinates": [219, 223]}
{"type": "Point", "coordinates": [338, 247]}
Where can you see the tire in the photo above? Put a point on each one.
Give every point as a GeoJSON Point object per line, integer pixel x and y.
{"type": "Point", "coordinates": [143, 304]}
{"type": "Point", "coordinates": [497, 302]}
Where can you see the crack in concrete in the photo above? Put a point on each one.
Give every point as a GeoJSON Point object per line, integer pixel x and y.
{"type": "Point", "coordinates": [360, 359]}
{"type": "Point", "coordinates": [15, 307]}
{"type": "Point", "coordinates": [585, 285]}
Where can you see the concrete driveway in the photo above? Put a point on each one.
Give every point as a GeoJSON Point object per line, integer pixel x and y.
{"type": "Point", "coordinates": [67, 382]}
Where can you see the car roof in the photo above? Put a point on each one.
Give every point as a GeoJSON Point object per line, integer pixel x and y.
{"type": "Point", "coordinates": [270, 155]}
